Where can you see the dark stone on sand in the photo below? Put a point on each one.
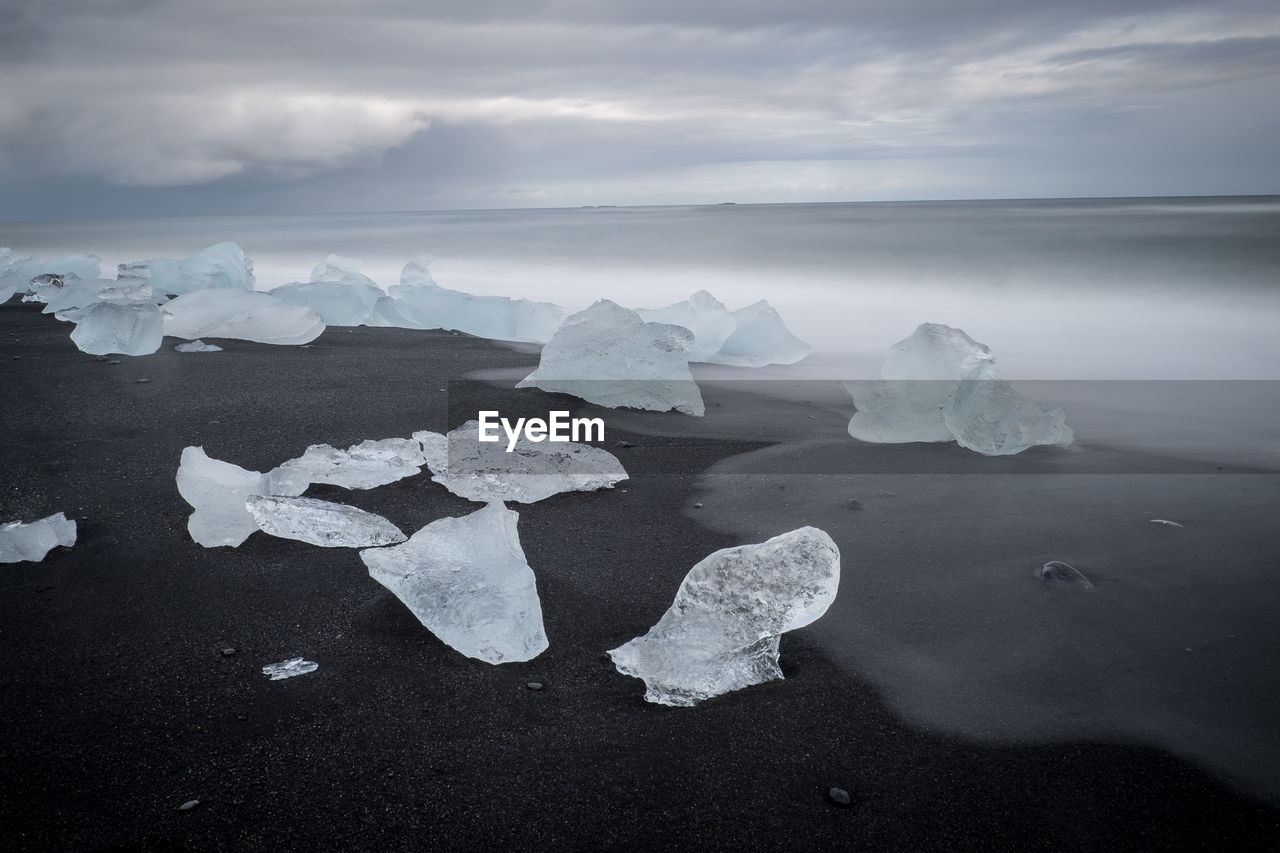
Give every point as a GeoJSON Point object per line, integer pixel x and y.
{"type": "Point", "coordinates": [188, 805]}
{"type": "Point", "coordinates": [534, 685]}
{"type": "Point", "coordinates": [623, 444]}
{"type": "Point", "coordinates": [697, 506]}
{"type": "Point", "coordinates": [228, 652]}
{"type": "Point", "coordinates": [143, 381]}
{"type": "Point", "coordinates": [840, 796]}
{"type": "Point", "coordinates": [854, 503]}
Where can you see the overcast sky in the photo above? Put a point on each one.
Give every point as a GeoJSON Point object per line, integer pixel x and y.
{"type": "Point", "coordinates": [160, 107]}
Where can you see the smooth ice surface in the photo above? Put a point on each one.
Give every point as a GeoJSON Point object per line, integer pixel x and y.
{"type": "Point", "coordinates": [217, 492]}
{"type": "Point", "coordinates": [221, 266]}
{"type": "Point", "coordinates": [467, 580]}
{"type": "Point", "coordinates": [939, 384]}
{"type": "Point", "coordinates": [721, 632]}
{"type": "Point", "coordinates": [289, 668]}
{"type": "Point", "coordinates": [607, 354]}
{"type": "Point", "coordinates": [21, 542]}
{"type": "Point", "coordinates": [197, 346]}
{"type": "Point", "coordinates": [74, 293]}
{"type": "Point", "coordinates": [15, 273]}
{"type": "Point", "coordinates": [760, 338]}
{"type": "Point", "coordinates": [702, 314]}
{"type": "Point", "coordinates": [362, 466]}
{"type": "Point", "coordinates": [323, 523]}
{"type": "Point", "coordinates": [339, 303]}
{"type": "Point", "coordinates": [222, 313]}
{"type": "Point", "coordinates": [336, 268]}
{"type": "Point", "coordinates": [485, 471]}
{"type": "Point", "coordinates": [135, 328]}
{"type": "Point", "coordinates": [417, 302]}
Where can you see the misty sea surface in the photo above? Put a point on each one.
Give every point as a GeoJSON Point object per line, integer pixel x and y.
{"type": "Point", "coordinates": [1155, 323]}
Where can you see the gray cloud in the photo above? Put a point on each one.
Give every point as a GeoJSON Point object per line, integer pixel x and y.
{"type": "Point", "coordinates": [284, 105]}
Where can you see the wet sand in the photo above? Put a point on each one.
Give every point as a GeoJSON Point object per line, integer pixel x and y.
{"type": "Point", "coordinates": [119, 706]}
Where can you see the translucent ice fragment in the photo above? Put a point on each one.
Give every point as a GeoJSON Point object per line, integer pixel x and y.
{"type": "Point", "coordinates": [217, 492]}
{"type": "Point", "coordinates": [15, 273]}
{"type": "Point", "coordinates": [986, 415]}
{"type": "Point", "coordinates": [891, 411]}
{"type": "Point", "coordinates": [1058, 573]}
{"type": "Point", "coordinates": [721, 632]}
{"type": "Point", "coordinates": [362, 466]}
{"type": "Point", "coordinates": [1166, 521]}
{"type": "Point", "coordinates": [244, 315]}
{"type": "Point", "coordinates": [485, 471]}
{"type": "Point", "coordinates": [197, 346]}
{"type": "Point", "coordinates": [606, 354]}
{"type": "Point", "coordinates": [702, 314]}
{"type": "Point", "coordinates": [222, 266]}
{"type": "Point", "coordinates": [423, 304]}
{"type": "Point", "coordinates": [760, 338]}
{"type": "Point", "coordinates": [467, 580]}
{"type": "Point", "coordinates": [323, 523]}
{"type": "Point", "coordinates": [131, 328]}
{"type": "Point", "coordinates": [21, 542]}
{"type": "Point", "coordinates": [337, 269]}
{"type": "Point", "coordinates": [339, 303]}
{"type": "Point", "coordinates": [289, 668]}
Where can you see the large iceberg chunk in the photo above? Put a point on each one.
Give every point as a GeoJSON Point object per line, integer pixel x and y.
{"type": "Point", "coordinates": [941, 385]}
{"type": "Point", "coordinates": [417, 302]}
{"type": "Point", "coordinates": [128, 328]}
{"type": "Point", "coordinates": [607, 354]}
{"type": "Point", "coordinates": [22, 542]}
{"type": "Point", "coordinates": [362, 466]}
{"type": "Point", "coordinates": [485, 471]}
{"type": "Point", "coordinates": [760, 338]}
{"type": "Point", "coordinates": [721, 632]}
{"type": "Point", "coordinates": [702, 314]}
{"type": "Point", "coordinates": [337, 303]}
{"type": "Point", "coordinates": [249, 316]}
{"type": "Point", "coordinates": [467, 580]}
{"type": "Point", "coordinates": [217, 492]}
{"type": "Point", "coordinates": [15, 272]}
{"type": "Point", "coordinates": [220, 266]}
{"type": "Point", "coordinates": [323, 523]}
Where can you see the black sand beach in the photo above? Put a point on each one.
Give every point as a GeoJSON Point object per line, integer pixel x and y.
{"type": "Point", "coordinates": [119, 705]}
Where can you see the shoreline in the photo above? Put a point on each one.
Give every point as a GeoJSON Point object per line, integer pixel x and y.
{"type": "Point", "coordinates": [119, 705]}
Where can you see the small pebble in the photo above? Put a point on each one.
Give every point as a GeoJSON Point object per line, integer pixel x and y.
{"type": "Point", "coordinates": [114, 361]}
{"type": "Point", "coordinates": [854, 503]}
{"type": "Point", "coordinates": [840, 796]}
{"type": "Point", "coordinates": [188, 805]}
{"type": "Point", "coordinates": [143, 381]}
{"type": "Point", "coordinates": [623, 444]}
{"type": "Point", "coordinates": [228, 652]}
{"type": "Point", "coordinates": [17, 358]}
{"type": "Point", "coordinates": [697, 506]}
{"type": "Point", "coordinates": [101, 358]}
{"type": "Point", "coordinates": [534, 685]}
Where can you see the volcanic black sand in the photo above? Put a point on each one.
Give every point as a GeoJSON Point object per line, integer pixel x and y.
{"type": "Point", "coordinates": [119, 705]}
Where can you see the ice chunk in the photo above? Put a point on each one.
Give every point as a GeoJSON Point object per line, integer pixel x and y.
{"type": "Point", "coordinates": [485, 471]}
{"type": "Point", "coordinates": [721, 632]}
{"type": "Point", "coordinates": [988, 416]}
{"type": "Point", "coordinates": [80, 266]}
{"type": "Point", "coordinates": [73, 293]}
{"type": "Point", "coordinates": [941, 385]}
{"type": "Point", "coordinates": [702, 314]}
{"type": "Point", "coordinates": [606, 354]}
{"type": "Point", "coordinates": [197, 346]}
{"type": "Point", "coordinates": [1167, 521]}
{"type": "Point", "coordinates": [22, 542]}
{"type": "Point", "coordinates": [15, 273]}
{"type": "Point", "coordinates": [1058, 573]}
{"type": "Point", "coordinates": [127, 328]}
{"type": "Point", "coordinates": [323, 523]}
{"type": "Point", "coordinates": [760, 338]}
{"type": "Point", "coordinates": [248, 316]}
{"type": "Point", "coordinates": [217, 492]}
{"type": "Point", "coordinates": [467, 580]}
{"type": "Point", "coordinates": [362, 466]}
{"type": "Point", "coordinates": [289, 668]}
{"type": "Point", "coordinates": [220, 266]}
{"type": "Point", "coordinates": [338, 292]}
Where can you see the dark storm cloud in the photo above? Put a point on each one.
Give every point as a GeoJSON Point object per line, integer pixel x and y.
{"type": "Point", "coordinates": [143, 105]}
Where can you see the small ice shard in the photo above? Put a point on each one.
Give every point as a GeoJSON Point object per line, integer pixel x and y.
{"type": "Point", "coordinates": [345, 301]}
{"type": "Point", "coordinates": [721, 632]}
{"type": "Point", "coordinates": [222, 266]}
{"type": "Point", "coordinates": [702, 314]}
{"type": "Point", "coordinates": [467, 581]}
{"type": "Point", "coordinates": [289, 668]}
{"type": "Point", "coordinates": [760, 338]}
{"type": "Point", "coordinates": [1058, 573]}
{"type": "Point", "coordinates": [420, 303]}
{"type": "Point", "coordinates": [323, 523]}
{"type": "Point", "coordinates": [197, 346]}
{"type": "Point", "coordinates": [607, 355]}
{"type": "Point", "coordinates": [217, 492]}
{"type": "Point", "coordinates": [485, 471]}
{"type": "Point", "coordinates": [362, 466]}
{"type": "Point", "coordinates": [986, 415]}
{"type": "Point", "coordinates": [1167, 521]}
{"type": "Point", "coordinates": [132, 328]}
{"type": "Point", "coordinates": [244, 315]}
{"type": "Point", "coordinates": [21, 542]}
{"type": "Point", "coordinates": [941, 385]}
